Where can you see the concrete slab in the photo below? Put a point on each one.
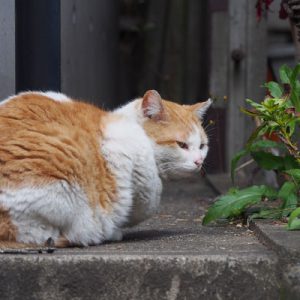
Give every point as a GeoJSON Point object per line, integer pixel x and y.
{"type": "Point", "coordinates": [276, 237]}
{"type": "Point", "coordinates": [171, 256]}
{"type": "Point", "coordinates": [286, 244]}
{"type": "Point", "coordinates": [137, 277]}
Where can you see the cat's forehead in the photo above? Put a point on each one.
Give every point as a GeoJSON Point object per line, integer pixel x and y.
{"type": "Point", "coordinates": [180, 124]}
{"type": "Point", "coordinates": [197, 133]}
{"type": "Point", "coordinates": [192, 135]}
{"type": "Point", "coordinates": [181, 115]}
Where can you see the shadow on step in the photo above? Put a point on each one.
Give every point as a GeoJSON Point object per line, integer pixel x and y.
{"type": "Point", "coordinates": [143, 235]}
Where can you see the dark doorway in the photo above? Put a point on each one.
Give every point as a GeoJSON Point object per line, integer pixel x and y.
{"type": "Point", "coordinates": [38, 45]}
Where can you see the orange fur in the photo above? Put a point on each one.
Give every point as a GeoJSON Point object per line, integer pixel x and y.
{"type": "Point", "coordinates": [8, 231]}
{"type": "Point", "coordinates": [62, 242]}
{"type": "Point", "coordinates": [54, 140]}
{"type": "Point", "coordinates": [15, 245]}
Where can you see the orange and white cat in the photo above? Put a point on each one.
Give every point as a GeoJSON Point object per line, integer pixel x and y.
{"type": "Point", "coordinates": [77, 174]}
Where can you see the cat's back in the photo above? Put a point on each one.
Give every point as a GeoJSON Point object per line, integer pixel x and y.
{"type": "Point", "coordinates": [46, 110]}
{"type": "Point", "coordinates": [47, 135]}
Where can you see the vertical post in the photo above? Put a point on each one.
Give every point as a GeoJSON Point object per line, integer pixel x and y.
{"type": "Point", "coordinates": [7, 48]}
{"type": "Point", "coordinates": [218, 82]}
{"type": "Point", "coordinates": [218, 75]}
{"type": "Point", "coordinates": [37, 45]}
{"type": "Point", "coordinates": [247, 69]}
{"type": "Point", "coordinates": [195, 79]}
{"type": "Point", "coordinates": [173, 58]}
{"type": "Point", "coordinates": [176, 50]}
{"type": "Point", "coordinates": [155, 39]}
{"type": "Point", "coordinates": [237, 75]}
{"type": "Point", "coordinates": [89, 50]}
{"type": "Point", "coordinates": [256, 55]}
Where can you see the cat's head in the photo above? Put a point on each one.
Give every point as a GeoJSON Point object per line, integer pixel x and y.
{"type": "Point", "coordinates": [180, 142]}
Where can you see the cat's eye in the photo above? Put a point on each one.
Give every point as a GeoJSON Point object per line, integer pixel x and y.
{"type": "Point", "coordinates": [202, 146]}
{"type": "Point", "coordinates": [182, 145]}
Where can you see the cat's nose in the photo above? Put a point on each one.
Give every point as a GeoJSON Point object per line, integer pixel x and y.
{"type": "Point", "coordinates": [198, 162]}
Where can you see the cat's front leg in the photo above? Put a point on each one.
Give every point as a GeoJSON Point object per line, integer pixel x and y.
{"type": "Point", "coordinates": [146, 199]}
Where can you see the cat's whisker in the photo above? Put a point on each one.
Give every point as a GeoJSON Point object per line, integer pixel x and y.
{"type": "Point", "coordinates": [211, 130]}
{"type": "Point", "coordinates": [207, 164]}
{"type": "Point", "coordinates": [204, 169]}
{"type": "Point", "coordinates": [209, 125]}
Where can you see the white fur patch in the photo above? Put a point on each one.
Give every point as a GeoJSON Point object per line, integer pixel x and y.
{"type": "Point", "coordinates": [130, 156]}
{"type": "Point", "coordinates": [195, 140]}
{"type": "Point", "coordinates": [50, 94]}
{"type": "Point", "coordinates": [56, 96]}
{"type": "Point", "coordinates": [63, 209]}
{"type": "Point", "coordinates": [132, 110]}
{"type": "Point", "coordinates": [52, 210]}
{"type": "Point", "coordinates": [202, 110]}
{"type": "Point", "coordinates": [7, 100]}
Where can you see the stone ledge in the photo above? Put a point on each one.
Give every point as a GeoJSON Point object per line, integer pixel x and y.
{"type": "Point", "coordinates": [277, 238]}
{"type": "Point", "coordinates": [286, 244]}
{"type": "Point", "coordinates": [137, 277]}
{"type": "Point", "coordinates": [171, 256]}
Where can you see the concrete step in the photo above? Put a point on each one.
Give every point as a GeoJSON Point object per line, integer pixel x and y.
{"type": "Point", "coordinates": [286, 244]}
{"type": "Point", "coordinates": [171, 256]}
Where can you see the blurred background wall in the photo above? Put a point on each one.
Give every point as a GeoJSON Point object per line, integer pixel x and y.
{"type": "Point", "coordinates": [110, 51]}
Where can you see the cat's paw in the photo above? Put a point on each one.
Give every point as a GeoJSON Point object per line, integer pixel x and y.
{"type": "Point", "coordinates": [117, 235]}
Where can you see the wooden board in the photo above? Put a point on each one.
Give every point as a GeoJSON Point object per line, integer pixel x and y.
{"type": "Point", "coordinates": [7, 48]}
{"type": "Point", "coordinates": [246, 75]}
{"type": "Point", "coordinates": [89, 50]}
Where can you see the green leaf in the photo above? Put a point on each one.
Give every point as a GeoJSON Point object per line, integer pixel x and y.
{"type": "Point", "coordinates": [262, 144]}
{"type": "Point", "coordinates": [295, 99]}
{"type": "Point", "coordinates": [295, 173]}
{"type": "Point", "coordinates": [291, 127]}
{"type": "Point", "coordinates": [287, 188]}
{"type": "Point", "coordinates": [290, 162]}
{"type": "Point", "coordinates": [235, 160]}
{"type": "Point", "coordinates": [254, 135]}
{"type": "Point", "coordinates": [285, 73]}
{"type": "Point", "coordinates": [267, 160]}
{"type": "Point", "coordinates": [294, 221]}
{"type": "Point", "coordinates": [295, 74]}
{"type": "Point", "coordinates": [296, 90]}
{"type": "Point", "coordinates": [248, 112]}
{"type": "Point", "coordinates": [234, 203]}
{"type": "Point", "coordinates": [288, 193]}
{"type": "Point", "coordinates": [256, 105]}
{"type": "Point", "coordinates": [274, 88]}
{"type": "Point", "coordinates": [267, 214]}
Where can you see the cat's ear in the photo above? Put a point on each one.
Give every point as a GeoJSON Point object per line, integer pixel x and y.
{"type": "Point", "coordinates": [200, 108]}
{"type": "Point", "coordinates": [152, 106]}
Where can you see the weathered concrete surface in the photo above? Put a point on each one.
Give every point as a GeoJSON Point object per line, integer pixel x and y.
{"type": "Point", "coordinates": [286, 244]}
{"type": "Point", "coordinates": [171, 256]}
{"type": "Point", "coordinates": [107, 276]}
{"type": "Point", "coordinates": [275, 235]}
{"type": "Point", "coordinates": [291, 281]}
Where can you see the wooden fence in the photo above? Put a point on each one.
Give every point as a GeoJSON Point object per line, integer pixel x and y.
{"type": "Point", "coordinates": [111, 51]}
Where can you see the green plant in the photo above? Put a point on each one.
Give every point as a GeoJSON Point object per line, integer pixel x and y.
{"type": "Point", "coordinates": [272, 146]}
